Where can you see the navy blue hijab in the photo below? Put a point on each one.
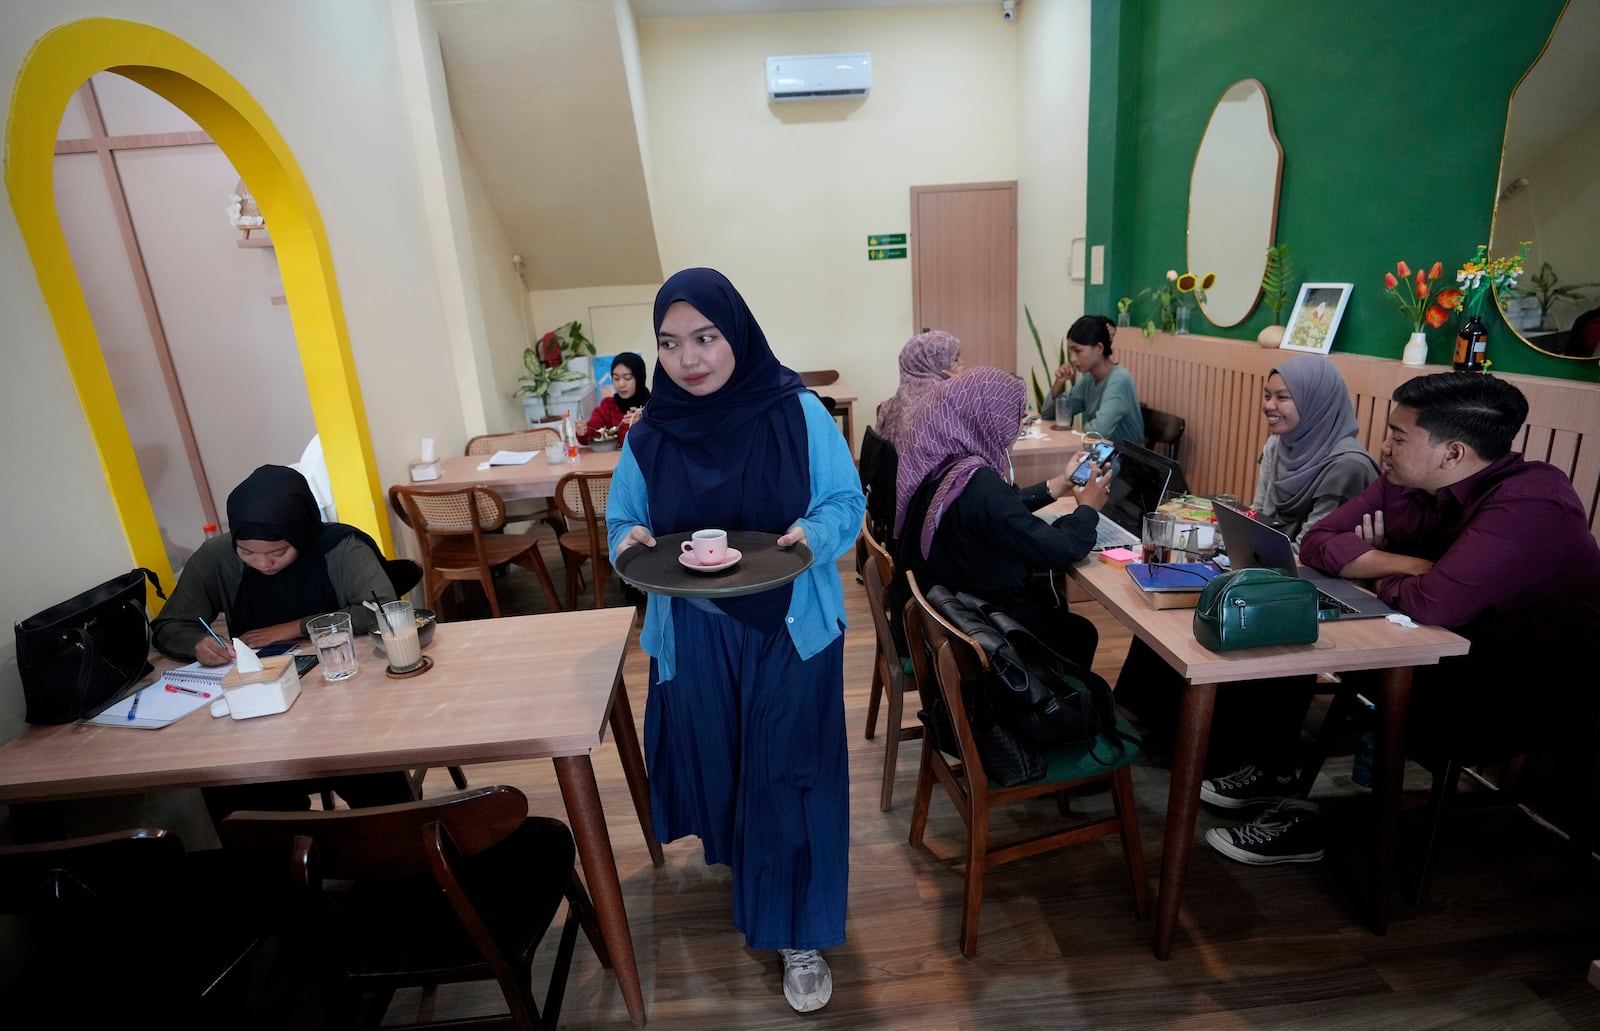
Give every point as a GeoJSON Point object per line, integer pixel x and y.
{"type": "Point", "coordinates": [736, 459]}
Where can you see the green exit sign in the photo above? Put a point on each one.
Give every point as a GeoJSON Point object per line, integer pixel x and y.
{"type": "Point", "coordinates": [885, 253]}
{"type": "Point", "coordinates": [887, 240]}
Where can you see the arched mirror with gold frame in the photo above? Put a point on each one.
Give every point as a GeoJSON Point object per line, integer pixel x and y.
{"type": "Point", "coordinates": [1549, 192]}
{"type": "Point", "coordinates": [1233, 201]}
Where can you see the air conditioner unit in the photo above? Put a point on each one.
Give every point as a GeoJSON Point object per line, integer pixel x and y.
{"type": "Point", "coordinates": [819, 76]}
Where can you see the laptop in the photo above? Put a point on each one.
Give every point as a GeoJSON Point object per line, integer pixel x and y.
{"type": "Point", "coordinates": [1252, 544]}
{"type": "Point", "coordinates": [1142, 479]}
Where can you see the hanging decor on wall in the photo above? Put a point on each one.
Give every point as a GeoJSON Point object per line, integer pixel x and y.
{"type": "Point", "coordinates": [242, 210]}
{"type": "Point", "coordinates": [1316, 316]}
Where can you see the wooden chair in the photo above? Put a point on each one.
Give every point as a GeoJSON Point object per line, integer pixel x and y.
{"type": "Point", "coordinates": [101, 925]}
{"type": "Point", "coordinates": [879, 467]}
{"type": "Point", "coordinates": [950, 663]}
{"type": "Point", "coordinates": [1162, 431]}
{"type": "Point", "coordinates": [455, 889]}
{"type": "Point", "coordinates": [890, 673]}
{"type": "Point", "coordinates": [581, 498]}
{"type": "Point", "coordinates": [820, 377]}
{"type": "Point", "coordinates": [454, 530]}
{"type": "Point", "coordinates": [536, 439]}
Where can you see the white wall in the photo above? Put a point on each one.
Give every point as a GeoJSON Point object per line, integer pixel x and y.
{"type": "Point", "coordinates": [782, 197]}
{"type": "Point", "coordinates": [503, 302]}
{"type": "Point", "coordinates": [328, 75]}
{"type": "Point", "coordinates": [1052, 170]}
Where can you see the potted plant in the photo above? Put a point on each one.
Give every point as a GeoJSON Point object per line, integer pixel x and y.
{"type": "Point", "coordinates": [1548, 290]}
{"type": "Point", "coordinates": [1049, 370]}
{"type": "Point", "coordinates": [561, 356]}
{"type": "Point", "coordinates": [1277, 292]}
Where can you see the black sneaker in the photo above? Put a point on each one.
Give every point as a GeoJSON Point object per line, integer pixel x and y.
{"type": "Point", "coordinates": [1246, 786]}
{"type": "Point", "coordinates": [1289, 832]}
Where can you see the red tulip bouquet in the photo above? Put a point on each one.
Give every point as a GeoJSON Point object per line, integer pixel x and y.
{"type": "Point", "coordinates": [1413, 294]}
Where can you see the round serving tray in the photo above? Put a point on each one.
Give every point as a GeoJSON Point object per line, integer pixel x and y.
{"type": "Point", "coordinates": [763, 567]}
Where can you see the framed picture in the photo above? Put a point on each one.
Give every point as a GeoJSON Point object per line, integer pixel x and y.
{"type": "Point", "coordinates": [1316, 316]}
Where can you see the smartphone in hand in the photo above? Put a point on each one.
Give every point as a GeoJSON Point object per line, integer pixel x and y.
{"type": "Point", "coordinates": [1099, 455]}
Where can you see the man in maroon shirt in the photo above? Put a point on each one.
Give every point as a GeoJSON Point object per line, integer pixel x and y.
{"type": "Point", "coordinates": [1461, 532]}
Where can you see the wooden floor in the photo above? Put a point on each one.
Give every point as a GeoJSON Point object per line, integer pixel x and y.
{"type": "Point", "coordinates": [1506, 940]}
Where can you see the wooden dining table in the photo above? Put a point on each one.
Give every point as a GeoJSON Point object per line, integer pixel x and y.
{"type": "Point", "coordinates": [1342, 645]}
{"type": "Point", "coordinates": [517, 687]}
{"type": "Point", "coordinates": [1040, 457]}
{"type": "Point", "coordinates": [536, 478]}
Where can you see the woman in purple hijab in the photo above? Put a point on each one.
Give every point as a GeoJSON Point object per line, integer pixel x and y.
{"type": "Point", "coordinates": [927, 360]}
{"type": "Point", "coordinates": [963, 525]}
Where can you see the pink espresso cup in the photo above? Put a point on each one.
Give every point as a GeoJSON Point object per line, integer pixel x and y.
{"type": "Point", "coordinates": [709, 546]}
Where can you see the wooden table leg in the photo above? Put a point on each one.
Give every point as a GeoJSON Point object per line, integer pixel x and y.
{"type": "Point", "coordinates": [1183, 806]}
{"type": "Point", "coordinates": [1388, 780]}
{"type": "Point", "coordinates": [575, 773]}
{"type": "Point", "coordinates": [626, 736]}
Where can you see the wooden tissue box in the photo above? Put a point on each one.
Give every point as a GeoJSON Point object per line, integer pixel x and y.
{"type": "Point", "coordinates": [267, 693]}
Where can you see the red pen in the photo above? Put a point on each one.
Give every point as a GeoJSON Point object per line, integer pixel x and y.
{"type": "Point", "coordinates": [188, 690]}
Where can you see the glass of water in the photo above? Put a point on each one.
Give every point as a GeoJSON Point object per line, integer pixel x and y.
{"type": "Point", "coordinates": [335, 644]}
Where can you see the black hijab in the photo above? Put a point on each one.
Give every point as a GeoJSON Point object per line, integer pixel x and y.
{"type": "Point", "coordinates": [275, 503]}
{"type": "Point", "coordinates": [736, 459]}
{"type": "Point", "coordinates": [641, 393]}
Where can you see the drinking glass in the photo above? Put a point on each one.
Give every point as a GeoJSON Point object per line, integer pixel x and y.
{"type": "Point", "coordinates": [336, 650]}
{"type": "Point", "coordinates": [398, 626]}
{"type": "Point", "coordinates": [1159, 541]}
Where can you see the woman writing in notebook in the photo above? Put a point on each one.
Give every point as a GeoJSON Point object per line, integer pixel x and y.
{"type": "Point", "coordinates": [279, 566]}
{"type": "Point", "coordinates": [961, 523]}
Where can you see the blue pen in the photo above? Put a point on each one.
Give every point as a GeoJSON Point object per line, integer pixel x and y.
{"type": "Point", "coordinates": [135, 706]}
{"type": "Point", "coordinates": [212, 632]}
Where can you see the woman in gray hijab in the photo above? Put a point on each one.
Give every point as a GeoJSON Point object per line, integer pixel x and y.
{"type": "Point", "coordinates": [1312, 462]}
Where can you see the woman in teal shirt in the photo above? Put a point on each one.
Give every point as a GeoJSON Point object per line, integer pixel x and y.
{"type": "Point", "coordinates": [1104, 392]}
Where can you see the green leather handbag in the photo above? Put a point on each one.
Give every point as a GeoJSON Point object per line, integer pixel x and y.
{"type": "Point", "coordinates": [1253, 608]}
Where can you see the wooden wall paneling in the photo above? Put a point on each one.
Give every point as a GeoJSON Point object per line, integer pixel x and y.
{"type": "Point", "coordinates": [1215, 385]}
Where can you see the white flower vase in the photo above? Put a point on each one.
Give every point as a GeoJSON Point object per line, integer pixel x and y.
{"type": "Point", "coordinates": [1416, 352]}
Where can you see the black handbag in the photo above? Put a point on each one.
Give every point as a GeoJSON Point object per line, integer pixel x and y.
{"type": "Point", "coordinates": [1252, 608]}
{"type": "Point", "coordinates": [1033, 700]}
{"type": "Point", "coordinates": [78, 657]}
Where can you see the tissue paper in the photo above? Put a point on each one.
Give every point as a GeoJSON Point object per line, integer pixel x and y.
{"type": "Point", "coordinates": [248, 661]}
{"type": "Point", "coordinates": [427, 454]}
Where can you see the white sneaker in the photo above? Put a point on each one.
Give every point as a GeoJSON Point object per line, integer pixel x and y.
{"type": "Point", "coordinates": [807, 981]}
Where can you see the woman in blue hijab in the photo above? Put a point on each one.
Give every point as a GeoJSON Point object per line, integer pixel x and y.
{"type": "Point", "coordinates": [744, 727]}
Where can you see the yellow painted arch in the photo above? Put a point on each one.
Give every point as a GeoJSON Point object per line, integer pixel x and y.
{"type": "Point", "coordinates": [61, 61]}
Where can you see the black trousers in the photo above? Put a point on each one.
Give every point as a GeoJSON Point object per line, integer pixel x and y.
{"type": "Point", "coordinates": [1255, 721]}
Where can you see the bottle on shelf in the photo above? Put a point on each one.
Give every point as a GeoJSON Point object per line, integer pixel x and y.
{"type": "Point", "coordinates": [569, 437]}
{"type": "Point", "coordinates": [1472, 342]}
{"type": "Point", "coordinates": [210, 530]}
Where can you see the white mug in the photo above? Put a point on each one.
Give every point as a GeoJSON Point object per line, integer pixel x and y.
{"type": "Point", "coordinates": [709, 546]}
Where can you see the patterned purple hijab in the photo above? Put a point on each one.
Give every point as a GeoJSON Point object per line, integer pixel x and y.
{"type": "Point", "coordinates": [967, 423]}
{"type": "Point", "coordinates": [923, 362]}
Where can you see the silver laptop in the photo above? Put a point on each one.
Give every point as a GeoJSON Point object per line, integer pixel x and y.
{"type": "Point", "coordinates": [1143, 479]}
{"type": "Point", "coordinates": [1255, 545]}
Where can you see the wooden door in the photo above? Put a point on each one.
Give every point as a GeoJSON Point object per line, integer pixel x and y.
{"type": "Point", "coordinates": [964, 268]}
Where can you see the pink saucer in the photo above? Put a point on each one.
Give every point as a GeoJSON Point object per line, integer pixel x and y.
{"type": "Point", "coordinates": [686, 559]}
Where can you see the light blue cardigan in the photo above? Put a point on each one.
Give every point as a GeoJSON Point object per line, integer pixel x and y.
{"type": "Point", "coordinates": [832, 523]}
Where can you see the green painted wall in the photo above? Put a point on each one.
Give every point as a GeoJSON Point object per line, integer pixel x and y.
{"type": "Point", "coordinates": [1391, 120]}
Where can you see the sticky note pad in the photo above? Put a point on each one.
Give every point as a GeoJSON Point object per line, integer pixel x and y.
{"type": "Point", "coordinates": [1119, 556]}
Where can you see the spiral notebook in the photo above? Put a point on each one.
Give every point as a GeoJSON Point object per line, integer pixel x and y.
{"type": "Point", "coordinates": [156, 707]}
